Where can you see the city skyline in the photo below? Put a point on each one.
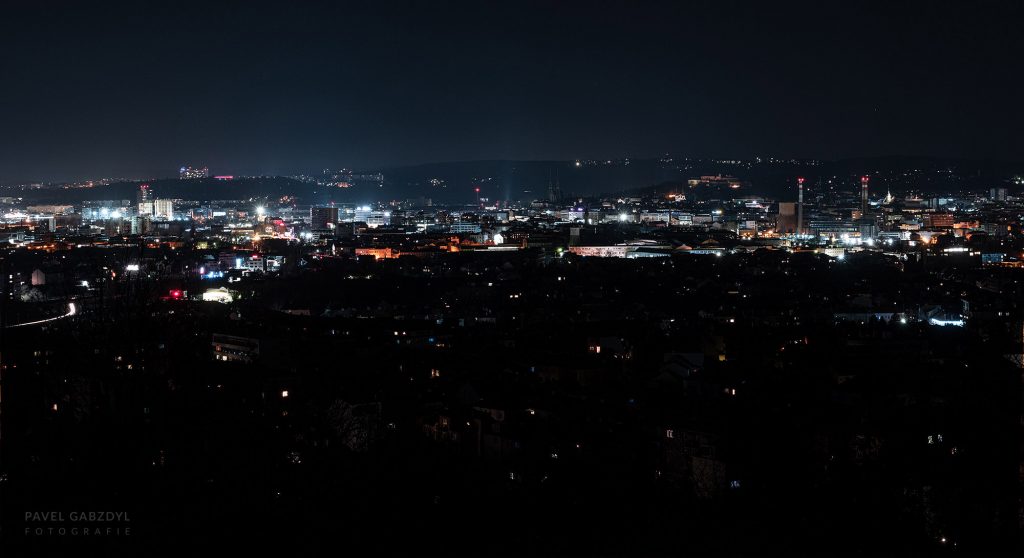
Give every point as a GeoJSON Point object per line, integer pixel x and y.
{"type": "Point", "coordinates": [517, 278]}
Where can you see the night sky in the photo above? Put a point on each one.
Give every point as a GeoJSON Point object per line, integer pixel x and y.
{"type": "Point", "coordinates": [137, 90]}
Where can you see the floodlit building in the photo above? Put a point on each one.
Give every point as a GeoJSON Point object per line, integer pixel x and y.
{"type": "Point", "coordinates": [163, 210]}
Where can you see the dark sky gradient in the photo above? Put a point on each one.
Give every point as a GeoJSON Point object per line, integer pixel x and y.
{"type": "Point", "coordinates": [138, 89]}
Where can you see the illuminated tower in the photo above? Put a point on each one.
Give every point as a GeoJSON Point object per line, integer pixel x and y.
{"type": "Point", "coordinates": [863, 195]}
{"type": "Point", "coordinates": [145, 202]}
{"type": "Point", "coordinates": [800, 206]}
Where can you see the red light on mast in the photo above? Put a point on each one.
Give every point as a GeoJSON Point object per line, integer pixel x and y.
{"type": "Point", "coordinates": [864, 180]}
{"type": "Point", "coordinates": [800, 180]}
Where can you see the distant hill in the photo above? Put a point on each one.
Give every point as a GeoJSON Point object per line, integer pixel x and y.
{"type": "Point", "coordinates": [456, 182]}
{"type": "Point", "coordinates": [525, 180]}
{"type": "Point", "coordinates": [518, 180]}
{"type": "Point", "coordinates": [197, 189]}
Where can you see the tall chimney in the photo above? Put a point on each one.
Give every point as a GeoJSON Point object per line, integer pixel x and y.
{"type": "Point", "coordinates": [800, 206]}
{"type": "Point", "coordinates": [863, 196]}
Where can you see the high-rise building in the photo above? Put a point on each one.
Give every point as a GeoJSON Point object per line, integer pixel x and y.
{"type": "Point", "coordinates": [863, 195]}
{"type": "Point", "coordinates": [185, 173]}
{"type": "Point", "coordinates": [323, 218]}
{"type": "Point", "coordinates": [163, 210]}
{"type": "Point", "coordinates": [139, 224]}
{"type": "Point", "coordinates": [143, 194]}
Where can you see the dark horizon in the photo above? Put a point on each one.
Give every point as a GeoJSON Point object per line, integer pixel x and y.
{"type": "Point", "coordinates": [861, 163]}
{"type": "Point", "coordinates": [254, 88]}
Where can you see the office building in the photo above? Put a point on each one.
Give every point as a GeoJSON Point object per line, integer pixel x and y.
{"type": "Point", "coordinates": [323, 218]}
